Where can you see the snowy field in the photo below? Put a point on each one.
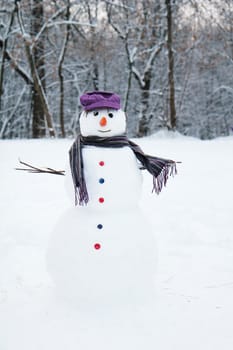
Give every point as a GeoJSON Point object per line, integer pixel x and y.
{"type": "Point", "coordinates": [192, 218]}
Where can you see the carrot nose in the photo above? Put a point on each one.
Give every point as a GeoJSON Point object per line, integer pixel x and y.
{"type": "Point", "coordinates": [103, 121]}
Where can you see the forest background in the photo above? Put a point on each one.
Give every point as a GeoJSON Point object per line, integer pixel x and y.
{"type": "Point", "coordinates": [171, 61]}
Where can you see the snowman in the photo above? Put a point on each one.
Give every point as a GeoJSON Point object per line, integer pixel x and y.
{"type": "Point", "coordinates": [103, 248]}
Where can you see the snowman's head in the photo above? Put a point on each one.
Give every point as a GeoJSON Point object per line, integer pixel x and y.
{"type": "Point", "coordinates": [104, 122]}
{"type": "Point", "coordinates": [102, 115]}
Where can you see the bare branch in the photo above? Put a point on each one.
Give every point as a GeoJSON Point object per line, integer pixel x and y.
{"type": "Point", "coordinates": [112, 3]}
{"type": "Point", "coordinates": [33, 169]}
{"type": "Point", "coordinates": [155, 51]}
{"type": "Point", "coordinates": [36, 79]}
{"type": "Point", "coordinates": [7, 120]}
{"type": "Point", "coordinates": [4, 48]}
{"type": "Point", "coordinates": [16, 67]}
{"type": "Point", "coordinates": [45, 26]}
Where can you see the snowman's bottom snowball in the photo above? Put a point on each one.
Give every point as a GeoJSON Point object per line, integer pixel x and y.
{"type": "Point", "coordinates": [122, 267]}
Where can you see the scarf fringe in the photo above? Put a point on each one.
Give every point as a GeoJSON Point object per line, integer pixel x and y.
{"type": "Point", "coordinates": [160, 181]}
{"type": "Point", "coordinates": [81, 194]}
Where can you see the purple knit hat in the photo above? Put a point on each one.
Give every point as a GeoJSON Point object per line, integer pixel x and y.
{"type": "Point", "coordinates": [100, 99]}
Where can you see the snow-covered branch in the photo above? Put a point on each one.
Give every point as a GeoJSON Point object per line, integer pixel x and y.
{"type": "Point", "coordinates": [132, 55]}
{"type": "Point", "coordinates": [7, 120]}
{"type": "Point", "coordinates": [16, 66]}
{"type": "Point", "coordinates": [155, 51]}
{"type": "Point", "coordinates": [45, 26]}
{"type": "Point", "coordinates": [51, 23]}
{"type": "Point", "coordinates": [112, 3]}
{"type": "Point", "coordinates": [71, 22]}
{"type": "Point", "coordinates": [138, 76]}
{"type": "Point", "coordinates": [223, 88]}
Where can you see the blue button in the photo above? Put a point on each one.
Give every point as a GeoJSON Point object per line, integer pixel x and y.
{"type": "Point", "coordinates": [101, 180]}
{"type": "Point", "coordinates": [99, 226]}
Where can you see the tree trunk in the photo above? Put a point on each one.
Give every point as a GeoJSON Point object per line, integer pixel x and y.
{"type": "Point", "coordinates": [3, 46]}
{"type": "Point", "coordinates": [171, 84]}
{"type": "Point", "coordinates": [144, 123]}
{"type": "Point", "coordinates": [38, 118]}
{"type": "Point", "coordinates": [93, 42]}
{"type": "Point", "coordinates": [60, 71]}
{"type": "Point", "coordinates": [39, 89]}
{"type": "Point", "coordinates": [130, 74]}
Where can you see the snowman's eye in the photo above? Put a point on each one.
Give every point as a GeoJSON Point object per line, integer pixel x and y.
{"type": "Point", "coordinates": [96, 113]}
{"type": "Point", "coordinates": [110, 115]}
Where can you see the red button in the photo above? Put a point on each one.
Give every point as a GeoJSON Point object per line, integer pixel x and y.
{"type": "Point", "coordinates": [101, 163]}
{"type": "Point", "coordinates": [97, 246]}
{"type": "Point", "coordinates": [101, 199]}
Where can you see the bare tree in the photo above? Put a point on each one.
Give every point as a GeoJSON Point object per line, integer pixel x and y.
{"type": "Point", "coordinates": [37, 63]}
{"type": "Point", "coordinates": [33, 57]}
{"type": "Point", "coordinates": [170, 61]}
{"type": "Point", "coordinates": [61, 70]}
{"type": "Point", "coordinates": [143, 43]}
{"type": "Point", "coordinates": [3, 43]}
{"type": "Point", "coordinates": [171, 84]}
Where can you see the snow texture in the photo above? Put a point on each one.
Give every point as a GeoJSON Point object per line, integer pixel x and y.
{"type": "Point", "coordinates": [192, 222]}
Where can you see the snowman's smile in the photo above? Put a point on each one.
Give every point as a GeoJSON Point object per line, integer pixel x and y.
{"type": "Point", "coordinates": [104, 130]}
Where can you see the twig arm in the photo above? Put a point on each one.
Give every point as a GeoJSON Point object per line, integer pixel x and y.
{"type": "Point", "coordinates": [33, 169]}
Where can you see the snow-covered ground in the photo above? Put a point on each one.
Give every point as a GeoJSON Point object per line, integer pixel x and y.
{"type": "Point", "coordinates": [193, 222]}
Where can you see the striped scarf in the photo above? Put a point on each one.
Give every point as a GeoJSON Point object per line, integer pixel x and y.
{"type": "Point", "coordinates": [159, 168]}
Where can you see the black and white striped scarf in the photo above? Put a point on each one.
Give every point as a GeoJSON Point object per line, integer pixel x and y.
{"type": "Point", "coordinates": [159, 168]}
